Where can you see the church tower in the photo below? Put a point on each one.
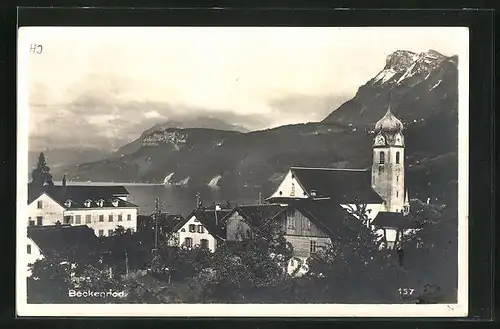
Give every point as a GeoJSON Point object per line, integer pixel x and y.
{"type": "Point", "coordinates": [388, 170]}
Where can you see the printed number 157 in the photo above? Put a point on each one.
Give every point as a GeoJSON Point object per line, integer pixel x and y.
{"type": "Point", "coordinates": [406, 291]}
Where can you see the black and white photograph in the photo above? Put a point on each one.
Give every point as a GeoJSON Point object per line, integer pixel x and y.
{"type": "Point", "coordinates": [259, 171]}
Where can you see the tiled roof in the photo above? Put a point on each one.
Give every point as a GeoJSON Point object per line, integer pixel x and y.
{"type": "Point", "coordinates": [79, 241]}
{"type": "Point", "coordinates": [327, 215]}
{"type": "Point", "coordinates": [254, 214]}
{"type": "Point", "coordinates": [79, 195]}
{"type": "Point", "coordinates": [211, 219]}
{"type": "Point", "coordinates": [340, 185]}
{"type": "Point", "coordinates": [167, 222]}
{"type": "Point", "coordinates": [393, 220]}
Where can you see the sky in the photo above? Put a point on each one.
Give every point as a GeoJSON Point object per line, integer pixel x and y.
{"type": "Point", "coordinates": [101, 87]}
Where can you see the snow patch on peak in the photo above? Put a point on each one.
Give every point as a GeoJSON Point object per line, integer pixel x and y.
{"type": "Point", "coordinates": [435, 86]}
{"type": "Point", "coordinates": [400, 60]}
{"type": "Point", "coordinates": [423, 63]}
{"type": "Point", "coordinates": [384, 75]}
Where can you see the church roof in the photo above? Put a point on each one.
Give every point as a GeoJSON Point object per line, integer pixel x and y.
{"type": "Point", "coordinates": [340, 185]}
{"type": "Point", "coordinates": [393, 220]}
{"type": "Point", "coordinates": [389, 123]}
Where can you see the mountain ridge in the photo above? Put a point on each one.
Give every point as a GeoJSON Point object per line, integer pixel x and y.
{"type": "Point", "coordinates": [423, 94]}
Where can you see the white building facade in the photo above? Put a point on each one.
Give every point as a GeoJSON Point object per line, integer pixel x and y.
{"type": "Point", "coordinates": [103, 214]}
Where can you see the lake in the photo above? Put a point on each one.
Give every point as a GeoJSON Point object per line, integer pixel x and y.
{"type": "Point", "coordinates": [179, 199]}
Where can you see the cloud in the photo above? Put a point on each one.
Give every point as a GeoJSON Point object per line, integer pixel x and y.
{"type": "Point", "coordinates": [303, 108]}
{"type": "Point", "coordinates": [93, 86]}
{"type": "Point", "coordinates": [152, 114]}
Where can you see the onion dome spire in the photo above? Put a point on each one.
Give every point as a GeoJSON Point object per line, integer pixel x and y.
{"type": "Point", "coordinates": [389, 123]}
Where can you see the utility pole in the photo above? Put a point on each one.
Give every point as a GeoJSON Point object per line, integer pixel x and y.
{"type": "Point", "coordinates": [216, 207]}
{"type": "Point", "coordinates": [126, 262]}
{"type": "Point", "coordinates": [157, 214]}
{"type": "Point", "coordinates": [260, 198]}
{"type": "Point", "coordinates": [198, 199]}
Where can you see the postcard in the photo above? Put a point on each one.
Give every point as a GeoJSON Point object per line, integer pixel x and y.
{"type": "Point", "coordinates": [259, 171]}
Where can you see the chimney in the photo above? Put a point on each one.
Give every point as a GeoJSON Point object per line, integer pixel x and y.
{"type": "Point", "coordinates": [64, 180]}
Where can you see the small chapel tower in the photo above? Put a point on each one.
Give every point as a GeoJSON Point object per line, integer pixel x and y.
{"type": "Point", "coordinates": [388, 170]}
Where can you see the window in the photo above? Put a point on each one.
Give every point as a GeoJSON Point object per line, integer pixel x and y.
{"type": "Point", "coordinates": [183, 229]}
{"type": "Point", "coordinates": [71, 219]}
{"type": "Point", "coordinates": [204, 243]}
{"type": "Point", "coordinates": [201, 229]}
{"type": "Point", "coordinates": [188, 242]}
{"type": "Point", "coordinates": [88, 219]}
{"type": "Point", "coordinates": [101, 233]}
{"type": "Point", "coordinates": [397, 178]}
{"type": "Point", "coordinates": [31, 222]}
{"type": "Point", "coordinates": [67, 219]}
{"type": "Point", "coordinates": [313, 247]}
{"type": "Point", "coordinates": [382, 157]}
{"type": "Point", "coordinates": [78, 219]}
{"type": "Point", "coordinates": [110, 218]}
{"type": "Point", "coordinates": [120, 218]}
{"type": "Point", "coordinates": [101, 218]}
{"type": "Point", "coordinates": [397, 157]}
{"type": "Point", "coordinates": [291, 223]}
{"type": "Point", "coordinates": [39, 220]}
{"type": "Point", "coordinates": [110, 232]}
{"type": "Point", "coordinates": [307, 224]}
{"type": "Point", "coordinates": [129, 217]}
{"type": "Point", "coordinates": [397, 194]}
{"type": "Point", "coordinates": [192, 228]}
{"type": "Point", "coordinates": [39, 204]}
{"type": "Point", "coordinates": [292, 193]}
{"type": "Point", "coordinates": [380, 169]}
{"type": "Point", "coordinates": [28, 249]}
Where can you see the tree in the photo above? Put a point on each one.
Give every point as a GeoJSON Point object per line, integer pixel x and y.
{"type": "Point", "coordinates": [431, 253]}
{"type": "Point", "coordinates": [180, 264]}
{"type": "Point", "coordinates": [41, 173]}
{"type": "Point", "coordinates": [50, 281]}
{"type": "Point", "coordinates": [252, 270]}
{"type": "Point", "coordinates": [354, 268]}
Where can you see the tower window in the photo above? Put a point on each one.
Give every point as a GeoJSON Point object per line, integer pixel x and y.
{"type": "Point", "coordinates": [397, 157]}
{"type": "Point", "coordinates": [382, 157]}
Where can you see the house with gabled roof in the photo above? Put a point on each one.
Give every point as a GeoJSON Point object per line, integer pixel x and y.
{"type": "Point", "coordinates": [241, 219]}
{"type": "Point", "coordinates": [203, 227]}
{"type": "Point", "coordinates": [75, 242]}
{"type": "Point", "coordinates": [374, 191]}
{"type": "Point", "coordinates": [103, 208]}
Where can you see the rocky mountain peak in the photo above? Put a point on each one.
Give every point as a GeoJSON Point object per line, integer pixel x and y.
{"type": "Point", "coordinates": [400, 60]}
{"type": "Point", "coordinates": [420, 85]}
{"type": "Point", "coordinates": [403, 64]}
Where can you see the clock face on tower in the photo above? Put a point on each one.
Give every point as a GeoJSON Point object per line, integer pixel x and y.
{"type": "Point", "coordinates": [379, 140]}
{"type": "Point", "coordinates": [398, 139]}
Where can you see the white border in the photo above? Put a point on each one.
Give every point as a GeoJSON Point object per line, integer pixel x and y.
{"type": "Point", "coordinates": [210, 310]}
